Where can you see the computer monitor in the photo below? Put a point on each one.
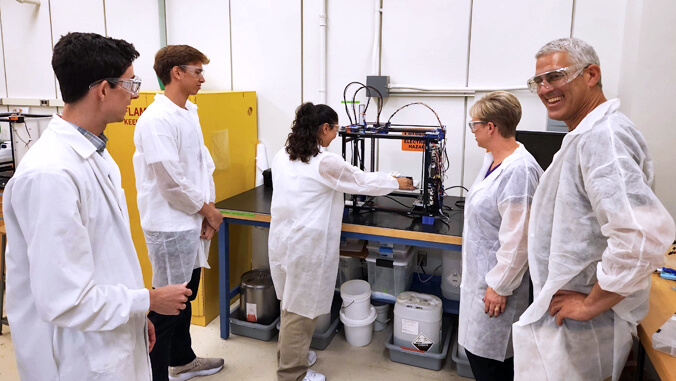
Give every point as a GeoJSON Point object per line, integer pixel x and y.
{"type": "Point", "coordinates": [541, 144]}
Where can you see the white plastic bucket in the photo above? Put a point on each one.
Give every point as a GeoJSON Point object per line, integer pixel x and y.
{"type": "Point", "coordinates": [356, 296]}
{"type": "Point", "coordinates": [359, 332]}
{"type": "Point", "coordinates": [382, 316]}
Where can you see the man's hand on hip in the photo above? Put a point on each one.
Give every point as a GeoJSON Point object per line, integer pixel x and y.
{"type": "Point", "coordinates": [578, 306]}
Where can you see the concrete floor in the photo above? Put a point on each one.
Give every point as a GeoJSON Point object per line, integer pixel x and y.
{"type": "Point", "coordinates": [250, 359]}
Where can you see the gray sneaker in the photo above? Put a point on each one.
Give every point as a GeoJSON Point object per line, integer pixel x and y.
{"type": "Point", "coordinates": [198, 367]}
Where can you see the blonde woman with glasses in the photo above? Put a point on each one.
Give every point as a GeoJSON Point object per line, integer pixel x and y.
{"type": "Point", "coordinates": [494, 290]}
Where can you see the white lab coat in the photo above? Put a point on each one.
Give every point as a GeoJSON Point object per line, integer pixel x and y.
{"type": "Point", "coordinates": [306, 217]}
{"type": "Point", "coordinates": [174, 178]}
{"type": "Point", "coordinates": [495, 252]}
{"type": "Point", "coordinates": [75, 295]}
{"type": "Point", "coordinates": [594, 218]}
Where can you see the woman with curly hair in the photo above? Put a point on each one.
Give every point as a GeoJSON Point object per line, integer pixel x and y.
{"type": "Point", "coordinates": [307, 210]}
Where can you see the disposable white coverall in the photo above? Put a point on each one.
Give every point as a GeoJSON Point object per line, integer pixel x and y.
{"type": "Point", "coordinates": [75, 295]}
{"type": "Point", "coordinates": [594, 218]}
{"type": "Point", "coordinates": [306, 215]}
{"type": "Point", "coordinates": [495, 252]}
{"type": "Point", "coordinates": [174, 178]}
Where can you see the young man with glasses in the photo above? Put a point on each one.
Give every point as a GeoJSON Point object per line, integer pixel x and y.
{"type": "Point", "coordinates": [596, 231]}
{"type": "Point", "coordinates": [174, 180]}
{"type": "Point", "coordinates": [75, 296]}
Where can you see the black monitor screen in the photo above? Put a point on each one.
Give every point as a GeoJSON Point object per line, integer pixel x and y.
{"type": "Point", "coordinates": [541, 144]}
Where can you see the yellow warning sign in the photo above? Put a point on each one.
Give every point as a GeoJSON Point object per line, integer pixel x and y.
{"type": "Point", "coordinates": [412, 145]}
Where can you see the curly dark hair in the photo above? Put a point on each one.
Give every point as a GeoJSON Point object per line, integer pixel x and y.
{"type": "Point", "coordinates": [303, 142]}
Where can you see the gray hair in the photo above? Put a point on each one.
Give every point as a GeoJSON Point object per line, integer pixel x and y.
{"type": "Point", "coordinates": [578, 51]}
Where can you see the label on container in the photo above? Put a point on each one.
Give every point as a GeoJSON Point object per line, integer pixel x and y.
{"type": "Point", "coordinates": [454, 279]}
{"type": "Point", "coordinates": [409, 326]}
{"type": "Point", "coordinates": [423, 343]}
{"type": "Point", "coordinates": [251, 313]}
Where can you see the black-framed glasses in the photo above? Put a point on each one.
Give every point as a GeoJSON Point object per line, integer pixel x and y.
{"type": "Point", "coordinates": [130, 85]}
{"type": "Point", "coordinates": [472, 124]}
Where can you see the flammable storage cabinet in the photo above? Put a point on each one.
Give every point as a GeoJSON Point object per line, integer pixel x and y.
{"type": "Point", "coordinates": [229, 122]}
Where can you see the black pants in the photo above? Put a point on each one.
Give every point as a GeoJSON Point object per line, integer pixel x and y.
{"type": "Point", "coordinates": [491, 370]}
{"type": "Point", "coordinates": [173, 346]}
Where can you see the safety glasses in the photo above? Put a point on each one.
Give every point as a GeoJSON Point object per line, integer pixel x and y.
{"type": "Point", "coordinates": [130, 85]}
{"type": "Point", "coordinates": [556, 78]}
{"type": "Point", "coordinates": [194, 70]}
{"type": "Point", "coordinates": [472, 125]}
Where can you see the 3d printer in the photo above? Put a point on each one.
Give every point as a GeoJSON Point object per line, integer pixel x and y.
{"type": "Point", "coordinates": [431, 139]}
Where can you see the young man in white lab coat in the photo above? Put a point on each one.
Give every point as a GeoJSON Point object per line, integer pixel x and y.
{"type": "Point", "coordinates": [75, 296]}
{"type": "Point", "coordinates": [596, 231]}
{"type": "Point", "coordinates": [174, 180]}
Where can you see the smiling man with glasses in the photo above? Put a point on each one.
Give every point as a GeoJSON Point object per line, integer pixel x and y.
{"type": "Point", "coordinates": [174, 180]}
{"type": "Point", "coordinates": [596, 230]}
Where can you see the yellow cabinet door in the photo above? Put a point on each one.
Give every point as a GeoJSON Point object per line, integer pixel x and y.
{"type": "Point", "coordinates": [229, 126]}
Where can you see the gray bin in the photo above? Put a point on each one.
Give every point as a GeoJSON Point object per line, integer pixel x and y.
{"type": "Point", "coordinates": [432, 361]}
{"type": "Point", "coordinates": [461, 363]}
{"type": "Point", "coordinates": [241, 327]}
{"type": "Point", "coordinates": [321, 340]}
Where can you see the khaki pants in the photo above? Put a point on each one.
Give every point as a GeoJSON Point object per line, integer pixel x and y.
{"type": "Point", "coordinates": [295, 335]}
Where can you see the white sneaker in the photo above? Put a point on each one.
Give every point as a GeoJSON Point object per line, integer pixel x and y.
{"type": "Point", "coordinates": [311, 358]}
{"type": "Point", "coordinates": [311, 375]}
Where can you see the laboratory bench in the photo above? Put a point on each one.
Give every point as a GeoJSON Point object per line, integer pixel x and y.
{"type": "Point", "coordinates": [662, 307]}
{"type": "Point", "coordinates": [253, 208]}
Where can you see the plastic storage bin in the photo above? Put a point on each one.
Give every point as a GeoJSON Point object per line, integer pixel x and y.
{"type": "Point", "coordinates": [390, 276]}
{"type": "Point", "coordinates": [427, 360]}
{"type": "Point", "coordinates": [451, 270]}
{"type": "Point", "coordinates": [388, 250]}
{"type": "Point", "coordinates": [460, 359]}
{"type": "Point", "coordinates": [351, 244]}
{"type": "Point", "coordinates": [349, 268]}
{"type": "Point", "coordinates": [241, 327]}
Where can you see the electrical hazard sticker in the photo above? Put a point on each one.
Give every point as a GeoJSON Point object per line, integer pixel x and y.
{"type": "Point", "coordinates": [412, 144]}
{"type": "Point", "coordinates": [423, 343]}
{"type": "Point", "coordinates": [454, 279]}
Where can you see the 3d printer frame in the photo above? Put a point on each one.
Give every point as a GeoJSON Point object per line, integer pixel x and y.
{"type": "Point", "coordinates": [429, 202]}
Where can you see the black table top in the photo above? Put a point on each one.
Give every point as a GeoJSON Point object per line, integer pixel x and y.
{"type": "Point", "coordinates": [258, 201]}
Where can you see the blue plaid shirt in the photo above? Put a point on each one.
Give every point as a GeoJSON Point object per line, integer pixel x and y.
{"type": "Point", "coordinates": [98, 141]}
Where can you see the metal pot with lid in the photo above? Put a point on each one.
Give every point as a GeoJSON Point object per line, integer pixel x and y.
{"type": "Point", "coordinates": [258, 302]}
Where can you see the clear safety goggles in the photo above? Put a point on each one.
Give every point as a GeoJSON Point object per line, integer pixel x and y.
{"type": "Point", "coordinates": [194, 70]}
{"type": "Point", "coordinates": [556, 78]}
{"type": "Point", "coordinates": [130, 85]}
{"type": "Point", "coordinates": [472, 125]}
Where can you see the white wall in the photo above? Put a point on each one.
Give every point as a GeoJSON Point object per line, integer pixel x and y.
{"type": "Point", "coordinates": [208, 31]}
{"type": "Point", "coordinates": [645, 86]}
{"type": "Point", "coordinates": [273, 47]}
{"type": "Point", "coordinates": [266, 57]}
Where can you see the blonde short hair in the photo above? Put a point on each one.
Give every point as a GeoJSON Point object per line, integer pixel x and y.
{"type": "Point", "coordinates": [501, 108]}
